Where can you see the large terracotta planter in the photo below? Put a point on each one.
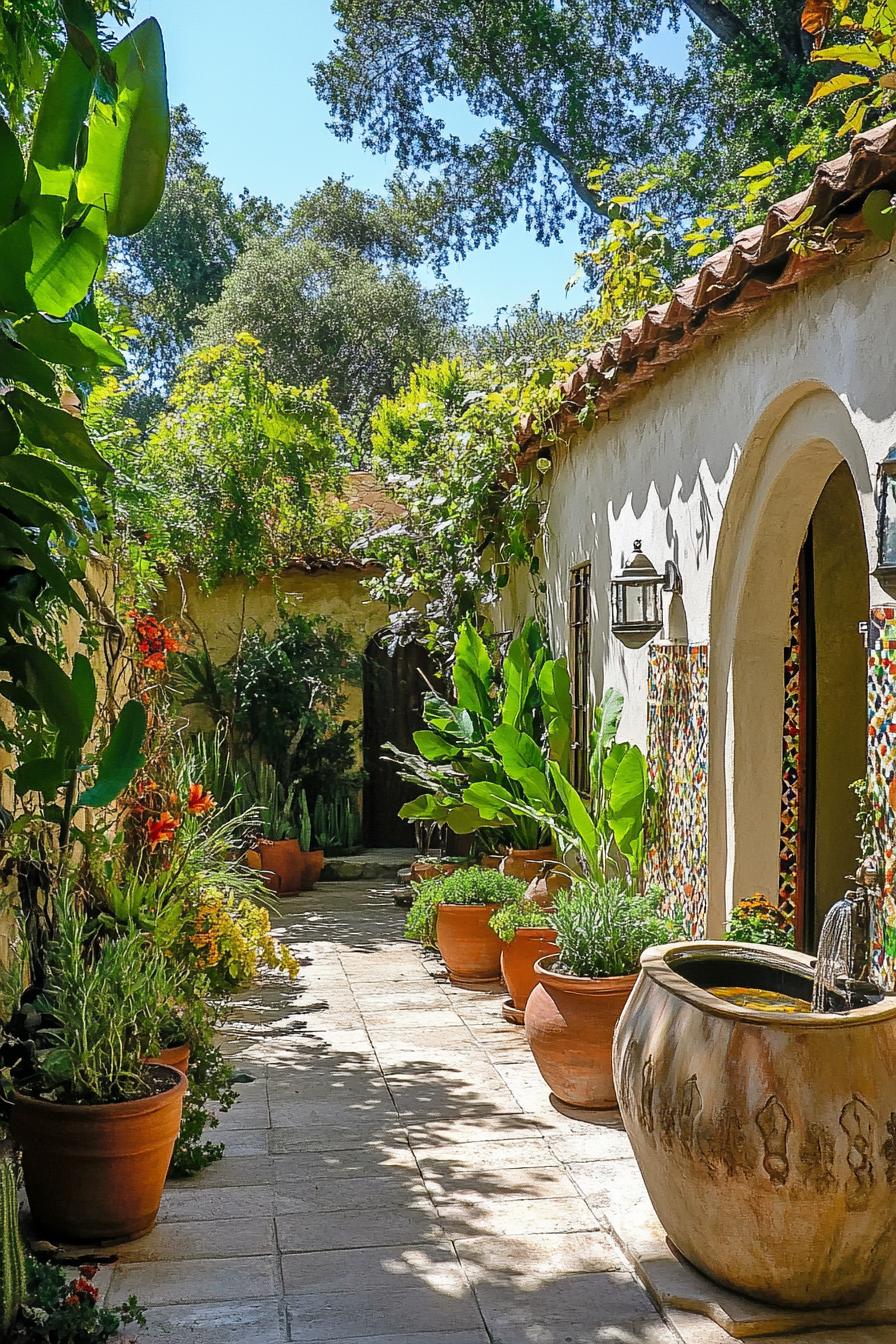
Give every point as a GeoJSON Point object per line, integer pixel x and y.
{"type": "Point", "coordinates": [543, 888]}
{"type": "Point", "coordinates": [526, 863]}
{"type": "Point", "coordinates": [767, 1140]}
{"type": "Point", "coordinates": [491, 860]}
{"type": "Point", "coordinates": [470, 950]}
{"type": "Point", "coordinates": [312, 867]}
{"type": "Point", "coordinates": [174, 1056]}
{"type": "Point", "coordinates": [283, 864]}
{"type": "Point", "coordinates": [518, 960]}
{"type": "Point", "coordinates": [96, 1173]}
{"type": "Point", "coordinates": [569, 1027]}
{"type": "Point", "coordinates": [423, 870]}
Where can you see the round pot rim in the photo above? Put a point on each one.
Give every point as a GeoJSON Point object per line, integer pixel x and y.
{"type": "Point", "coordinates": [467, 905]}
{"type": "Point", "coordinates": [545, 852]}
{"type": "Point", "coordinates": [658, 964]}
{"type": "Point", "coordinates": [577, 984]}
{"type": "Point", "coordinates": [136, 1106]}
{"type": "Point", "coordinates": [534, 931]}
{"type": "Point", "coordinates": [288, 840]}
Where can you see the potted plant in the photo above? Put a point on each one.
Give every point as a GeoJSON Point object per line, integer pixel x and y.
{"type": "Point", "coordinates": [312, 859]}
{"type": "Point", "coordinates": [601, 929]}
{"type": "Point", "coordinates": [278, 850]}
{"type": "Point", "coordinates": [452, 914]}
{"type": "Point", "coordinates": [527, 937]}
{"type": "Point", "coordinates": [95, 1123]}
{"type": "Point", "coordinates": [756, 920]}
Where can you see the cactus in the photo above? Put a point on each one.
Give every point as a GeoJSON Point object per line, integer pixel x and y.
{"type": "Point", "coordinates": [336, 823]}
{"type": "Point", "coordinates": [303, 821]}
{"type": "Point", "coordinates": [12, 1250]}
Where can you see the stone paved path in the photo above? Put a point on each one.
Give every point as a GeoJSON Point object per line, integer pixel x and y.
{"type": "Point", "coordinates": [395, 1173]}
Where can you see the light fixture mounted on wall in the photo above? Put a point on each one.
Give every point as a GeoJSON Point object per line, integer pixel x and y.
{"type": "Point", "coordinates": [636, 597]}
{"type": "Point", "coordinates": [886, 517]}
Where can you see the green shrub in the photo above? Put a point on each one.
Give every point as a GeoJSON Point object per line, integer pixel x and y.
{"type": "Point", "coordinates": [468, 886]}
{"type": "Point", "coordinates": [518, 914]}
{"type": "Point", "coordinates": [602, 928]}
{"type": "Point", "coordinates": [757, 920]}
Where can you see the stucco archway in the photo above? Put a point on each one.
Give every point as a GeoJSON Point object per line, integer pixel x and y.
{"type": "Point", "coordinates": [799, 444]}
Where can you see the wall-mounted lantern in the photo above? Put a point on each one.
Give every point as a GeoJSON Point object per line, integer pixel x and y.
{"type": "Point", "coordinates": [636, 597]}
{"type": "Point", "coordinates": [886, 517]}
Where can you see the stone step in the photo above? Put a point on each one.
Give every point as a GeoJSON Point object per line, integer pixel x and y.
{"type": "Point", "coordinates": [370, 865]}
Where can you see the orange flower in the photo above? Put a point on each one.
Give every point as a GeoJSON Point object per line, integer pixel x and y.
{"type": "Point", "coordinates": [199, 800]}
{"type": "Point", "coordinates": [160, 829]}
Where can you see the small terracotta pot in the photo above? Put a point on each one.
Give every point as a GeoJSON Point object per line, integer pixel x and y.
{"type": "Point", "coordinates": [518, 960]}
{"type": "Point", "coordinates": [526, 863]}
{"type": "Point", "coordinates": [96, 1173]}
{"type": "Point", "coordinates": [470, 950]}
{"type": "Point", "coordinates": [543, 889]}
{"type": "Point", "coordinates": [422, 870]}
{"type": "Point", "coordinates": [173, 1056]}
{"type": "Point", "coordinates": [312, 867]}
{"type": "Point", "coordinates": [491, 860]}
{"type": "Point", "coordinates": [569, 1027]}
{"type": "Point", "coordinates": [283, 865]}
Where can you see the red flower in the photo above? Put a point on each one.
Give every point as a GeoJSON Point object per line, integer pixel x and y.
{"type": "Point", "coordinates": [84, 1288]}
{"type": "Point", "coordinates": [161, 829]}
{"type": "Point", "coordinates": [199, 800]}
{"type": "Point", "coordinates": [89, 1271]}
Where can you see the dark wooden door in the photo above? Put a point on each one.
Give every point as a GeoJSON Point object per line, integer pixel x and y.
{"type": "Point", "coordinates": [394, 686]}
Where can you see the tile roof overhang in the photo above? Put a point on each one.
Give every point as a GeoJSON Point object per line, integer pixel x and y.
{"type": "Point", "coordinates": [727, 289]}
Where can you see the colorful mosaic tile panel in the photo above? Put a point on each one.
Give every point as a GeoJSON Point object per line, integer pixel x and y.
{"type": "Point", "coordinates": [677, 761]}
{"type": "Point", "coordinates": [788, 881]}
{"type": "Point", "coordinates": [882, 779]}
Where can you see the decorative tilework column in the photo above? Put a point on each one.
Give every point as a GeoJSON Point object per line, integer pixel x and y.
{"type": "Point", "coordinates": [882, 778]}
{"type": "Point", "coordinates": [677, 760]}
{"type": "Point", "coordinates": [788, 883]}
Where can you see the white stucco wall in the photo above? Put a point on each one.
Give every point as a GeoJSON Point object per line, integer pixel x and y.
{"type": "Point", "coordinates": [718, 465]}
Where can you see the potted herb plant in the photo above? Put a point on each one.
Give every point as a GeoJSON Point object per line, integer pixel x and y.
{"type": "Point", "coordinates": [601, 929]}
{"type": "Point", "coordinates": [453, 915]}
{"type": "Point", "coordinates": [527, 937]}
{"type": "Point", "coordinates": [96, 1123]}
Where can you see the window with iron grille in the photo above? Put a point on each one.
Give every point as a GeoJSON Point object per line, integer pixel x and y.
{"type": "Point", "coordinates": [579, 670]}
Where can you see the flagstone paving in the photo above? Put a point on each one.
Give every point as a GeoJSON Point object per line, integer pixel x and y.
{"type": "Point", "coordinates": [396, 1173]}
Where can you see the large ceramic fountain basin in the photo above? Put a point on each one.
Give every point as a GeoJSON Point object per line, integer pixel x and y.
{"type": "Point", "coordinates": [766, 1140]}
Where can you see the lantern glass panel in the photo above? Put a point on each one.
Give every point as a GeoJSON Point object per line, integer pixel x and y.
{"type": "Point", "coordinates": [887, 555]}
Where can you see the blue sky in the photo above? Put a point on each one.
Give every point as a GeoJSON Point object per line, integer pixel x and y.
{"type": "Point", "coordinates": [243, 72]}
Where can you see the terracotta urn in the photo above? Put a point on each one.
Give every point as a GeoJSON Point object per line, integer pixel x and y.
{"type": "Point", "coordinates": [766, 1139]}
{"type": "Point", "coordinates": [283, 865]}
{"type": "Point", "coordinates": [422, 870]}
{"type": "Point", "coordinates": [491, 860]}
{"type": "Point", "coordinates": [543, 888]}
{"type": "Point", "coordinates": [470, 949]}
{"type": "Point", "coordinates": [312, 867]}
{"type": "Point", "coordinates": [526, 863]}
{"type": "Point", "coordinates": [569, 1026]}
{"type": "Point", "coordinates": [96, 1173]}
{"type": "Point", "coordinates": [518, 960]}
{"type": "Point", "coordinates": [174, 1056]}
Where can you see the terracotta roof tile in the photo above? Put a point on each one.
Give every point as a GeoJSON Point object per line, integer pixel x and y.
{"type": "Point", "coordinates": [730, 285]}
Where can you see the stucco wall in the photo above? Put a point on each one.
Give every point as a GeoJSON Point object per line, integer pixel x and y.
{"type": "Point", "coordinates": [718, 465]}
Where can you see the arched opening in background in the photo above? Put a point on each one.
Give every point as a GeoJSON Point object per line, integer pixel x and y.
{"type": "Point", "coordinates": [394, 685]}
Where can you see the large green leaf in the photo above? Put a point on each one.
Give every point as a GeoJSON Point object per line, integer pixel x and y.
{"type": "Point", "coordinates": [43, 269]}
{"type": "Point", "coordinates": [492, 801]}
{"type": "Point", "coordinates": [54, 429]}
{"type": "Point", "coordinates": [68, 343]}
{"type": "Point", "coordinates": [12, 173]}
{"type": "Point", "coordinates": [32, 512]}
{"type": "Point", "coordinates": [517, 751]}
{"type": "Point", "coordinates": [39, 477]}
{"type": "Point", "coordinates": [46, 776]}
{"type": "Point", "coordinates": [603, 734]}
{"type": "Point", "coordinates": [84, 687]}
{"type": "Point", "coordinates": [425, 808]}
{"type": "Point", "coordinates": [60, 119]}
{"type": "Point", "coordinates": [472, 672]}
{"type": "Point", "coordinates": [556, 700]}
{"type": "Point", "coordinates": [433, 747]}
{"type": "Point", "coordinates": [15, 539]}
{"type": "Point", "coordinates": [121, 759]}
{"type": "Point", "coordinates": [518, 675]}
{"type": "Point", "coordinates": [9, 433]}
{"type": "Point", "coordinates": [127, 149]}
{"type": "Point", "coordinates": [580, 820]}
{"type": "Point", "coordinates": [625, 800]}
{"type": "Point", "coordinates": [18, 365]}
{"type": "Point", "coordinates": [44, 680]}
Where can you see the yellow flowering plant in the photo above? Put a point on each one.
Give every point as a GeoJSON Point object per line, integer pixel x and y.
{"type": "Point", "coordinates": [229, 939]}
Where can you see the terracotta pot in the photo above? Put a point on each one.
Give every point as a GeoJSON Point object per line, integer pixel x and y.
{"type": "Point", "coordinates": [422, 870]}
{"type": "Point", "coordinates": [569, 1027]}
{"type": "Point", "coordinates": [526, 863]}
{"type": "Point", "coordinates": [518, 960]}
{"type": "Point", "coordinates": [491, 860]}
{"type": "Point", "coordinates": [96, 1173]}
{"type": "Point", "coordinates": [470, 950]}
{"type": "Point", "coordinates": [312, 867]}
{"type": "Point", "coordinates": [543, 889]}
{"type": "Point", "coordinates": [767, 1140]}
{"type": "Point", "coordinates": [174, 1056]}
{"type": "Point", "coordinates": [283, 864]}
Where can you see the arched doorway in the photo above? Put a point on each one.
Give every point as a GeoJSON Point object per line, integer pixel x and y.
{"type": "Point", "coordinates": [394, 685]}
{"type": "Point", "coordinates": [794, 507]}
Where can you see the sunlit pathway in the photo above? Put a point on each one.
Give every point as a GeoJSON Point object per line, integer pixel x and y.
{"type": "Point", "coordinates": [395, 1173]}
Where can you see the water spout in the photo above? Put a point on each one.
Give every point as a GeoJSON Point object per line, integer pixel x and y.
{"type": "Point", "coordinates": [844, 949]}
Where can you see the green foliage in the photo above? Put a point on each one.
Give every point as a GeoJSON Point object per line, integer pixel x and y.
{"type": "Point", "coordinates": [518, 914]}
{"type": "Point", "coordinates": [482, 759]}
{"type": "Point", "coordinates": [103, 1007]}
{"type": "Point", "coordinates": [211, 1080]}
{"type": "Point", "coordinates": [757, 920]}
{"type": "Point", "coordinates": [303, 824]}
{"type": "Point", "coordinates": [603, 927]}
{"type": "Point", "coordinates": [12, 1249]}
{"type": "Point", "coordinates": [336, 825]}
{"type": "Point", "coordinates": [239, 475]}
{"type": "Point", "coordinates": [64, 1310]}
{"type": "Point", "coordinates": [468, 886]}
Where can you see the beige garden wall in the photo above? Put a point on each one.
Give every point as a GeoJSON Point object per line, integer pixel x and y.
{"type": "Point", "coordinates": [717, 465]}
